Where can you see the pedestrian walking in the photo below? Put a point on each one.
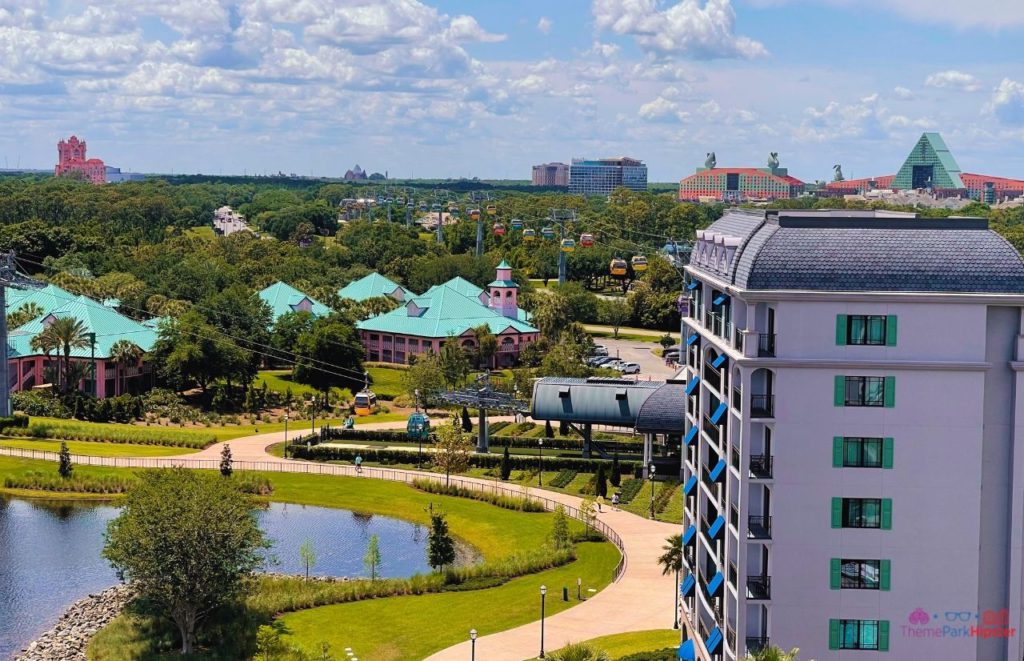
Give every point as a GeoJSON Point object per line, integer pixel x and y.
{"type": "Point", "coordinates": [615, 501]}
{"type": "Point", "coordinates": [600, 502]}
{"type": "Point", "coordinates": [359, 464]}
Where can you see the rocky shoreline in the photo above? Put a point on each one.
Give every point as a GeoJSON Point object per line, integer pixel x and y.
{"type": "Point", "coordinates": [77, 625]}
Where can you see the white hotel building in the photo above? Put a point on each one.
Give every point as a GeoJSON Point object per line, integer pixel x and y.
{"type": "Point", "coordinates": [853, 464]}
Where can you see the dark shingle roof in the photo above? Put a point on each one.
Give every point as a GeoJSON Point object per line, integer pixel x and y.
{"type": "Point", "coordinates": [862, 251]}
{"type": "Point", "coordinates": [663, 411]}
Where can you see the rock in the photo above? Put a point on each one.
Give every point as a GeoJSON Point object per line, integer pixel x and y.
{"type": "Point", "coordinates": [68, 638]}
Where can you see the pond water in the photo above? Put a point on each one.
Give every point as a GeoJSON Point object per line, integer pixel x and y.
{"type": "Point", "coordinates": [50, 554]}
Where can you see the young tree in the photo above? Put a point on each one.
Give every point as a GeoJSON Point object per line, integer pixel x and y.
{"type": "Point", "coordinates": [774, 653]}
{"type": "Point", "coordinates": [487, 346]}
{"type": "Point", "coordinates": [549, 432]}
{"type": "Point", "coordinates": [672, 558]}
{"type": "Point", "coordinates": [269, 646]}
{"type": "Point", "coordinates": [666, 341]}
{"type": "Point", "coordinates": [467, 422]}
{"type": "Point", "coordinates": [601, 483]}
{"type": "Point", "coordinates": [65, 469]}
{"type": "Point", "coordinates": [614, 313]}
{"type": "Point", "coordinates": [440, 545]}
{"type": "Point", "coordinates": [616, 477]}
{"type": "Point", "coordinates": [452, 450]}
{"type": "Point", "coordinates": [63, 335]}
{"type": "Point", "coordinates": [187, 541]}
{"type": "Point", "coordinates": [454, 364]}
{"type": "Point", "coordinates": [559, 537]}
{"type": "Point", "coordinates": [124, 353]}
{"type": "Point", "coordinates": [506, 464]}
{"type": "Point", "coordinates": [225, 461]}
{"type": "Point", "coordinates": [588, 512]}
{"type": "Point", "coordinates": [307, 554]}
{"type": "Point", "coordinates": [372, 559]}
{"type": "Point", "coordinates": [426, 377]}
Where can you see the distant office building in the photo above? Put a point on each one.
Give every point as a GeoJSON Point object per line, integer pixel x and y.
{"type": "Point", "coordinates": [740, 184]}
{"type": "Point", "coordinates": [551, 174]}
{"type": "Point", "coordinates": [931, 166]}
{"type": "Point", "coordinates": [115, 176]}
{"type": "Point", "coordinates": [71, 159]}
{"type": "Point", "coordinates": [604, 175]}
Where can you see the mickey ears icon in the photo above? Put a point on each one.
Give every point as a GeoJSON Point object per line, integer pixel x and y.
{"type": "Point", "coordinates": [919, 617]}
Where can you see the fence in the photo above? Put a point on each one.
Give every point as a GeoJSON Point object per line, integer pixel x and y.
{"type": "Point", "coordinates": [393, 475]}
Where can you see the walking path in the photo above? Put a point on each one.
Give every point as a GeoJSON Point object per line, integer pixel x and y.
{"type": "Point", "coordinates": [641, 598]}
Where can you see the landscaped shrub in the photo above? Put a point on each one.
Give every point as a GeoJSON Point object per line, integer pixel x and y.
{"type": "Point", "coordinates": [258, 485]}
{"type": "Point", "coordinates": [630, 488]}
{"type": "Point", "coordinates": [15, 421]}
{"type": "Point", "coordinates": [82, 484]}
{"type": "Point", "coordinates": [667, 654]}
{"type": "Point", "coordinates": [39, 403]}
{"type": "Point", "coordinates": [496, 427]}
{"type": "Point", "coordinates": [518, 503]}
{"type": "Point", "coordinates": [564, 477]}
{"type": "Point", "coordinates": [664, 495]}
{"type": "Point", "coordinates": [87, 431]}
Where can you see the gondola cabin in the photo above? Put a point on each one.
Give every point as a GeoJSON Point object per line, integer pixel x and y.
{"type": "Point", "coordinates": [587, 240]}
{"type": "Point", "coordinates": [436, 207]}
{"type": "Point", "coordinates": [499, 229]}
{"type": "Point", "coordinates": [617, 267]}
{"type": "Point", "coordinates": [366, 402]}
{"type": "Point", "coordinates": [548, 232]}
{"type": "Point", "coordinates": [474, 214]}
{"type": "Point", "coordinates": [491, 209]}
{"type": "Point", "coordinates": [529, 235]}
{"type": "Point", "coordinates": [568, 245]}
{"type": "Point", "coordinates": [418, 426]}
{"type": "Point", "coordinates": [639, 263]}
{"type": "Point", "coordinates": [517, 224]}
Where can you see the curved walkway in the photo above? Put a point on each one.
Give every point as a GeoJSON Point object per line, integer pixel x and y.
{"type": "Point", "coordinates": [641, 599]}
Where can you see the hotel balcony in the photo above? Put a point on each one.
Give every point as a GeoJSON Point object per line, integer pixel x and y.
{"type": "Point", "coordinates": [766, 345]}
{"type": "Point", "coordinates": [761, 466]}
{"type": "Point", "coordinates": [762, 406]}
{"type": "Point", "coordinates": [759, 527]}
{"type": "Point", "coordinates": [756, 643]}
{"type": "Point", "coordinates": [759, 587]}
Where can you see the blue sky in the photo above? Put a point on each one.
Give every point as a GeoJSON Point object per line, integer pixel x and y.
{"type": "Point", "coordinates": [460, 87]}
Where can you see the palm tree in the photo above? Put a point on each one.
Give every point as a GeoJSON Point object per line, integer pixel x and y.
{"type": "Point", "coordinates": [672, 561]}
{"type": "Point", "coordinates": [24, 314]}
{"type": "Point", "coordinates": [579, 652]}
{"type": "Point", "coordinates": [63, 335]}
{"type": "Point", "coordinates": [124, 353]}
{"type": "Point", "coordinates": [776, 654]}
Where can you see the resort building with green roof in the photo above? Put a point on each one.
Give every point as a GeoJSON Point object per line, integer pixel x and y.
{"type": "Point", "coordinates": [372, 286]}
{"type": "Point", "coordinates": [284, 299]}
{"type": "Point", "coordinates": [452, 309]}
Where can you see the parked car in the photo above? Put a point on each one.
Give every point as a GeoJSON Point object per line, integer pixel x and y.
{"type": "Point", "coordinates": [629, 368]}
{"type": "Point", "coordinates": [612, 364]}
{"type": "Point", "coordinates": [671, 355]}
{"type": "Point", "coordinates": [598, 361]}
{"type": "Point", "coordinates": [599, 350]}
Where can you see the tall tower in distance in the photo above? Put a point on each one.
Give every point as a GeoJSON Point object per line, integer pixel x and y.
{"type": "Point", "coordinates": [71, 158]}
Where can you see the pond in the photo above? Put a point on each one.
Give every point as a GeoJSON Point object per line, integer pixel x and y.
{"type": "Point", "coordinates": [50, 554]}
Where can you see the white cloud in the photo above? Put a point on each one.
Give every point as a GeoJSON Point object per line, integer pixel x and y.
{"type": "Point", "coordinates": [689, 27]}
{"type": "Point", "coordinates": [663, 108]}
{"type": "Point", "coordinates": [991, 14]}
{"type": "Point", "coordinates": [1007, 102]}
{"type": "Point", "coordinates": [465, 28]}
{"type": "Point", "coordinates": [902, 93]}
{"type": "Point", "coordinates": [953, 79]}
{"type": "Point", "coordinates": [544, 25]}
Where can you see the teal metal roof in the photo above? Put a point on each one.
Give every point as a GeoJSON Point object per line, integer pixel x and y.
{"type": "Point", "coordinates": [441, 312]}
{"type": "Point", "coordinates": [504, 265]}
{"type": "Point", "coordinates": [49, 298]}
{"type": "Point", "coordinates": [109, 326]}
{"type": "Point", "coordinates": [372, 286]}
{"type": "Point", "coordinates": [504, 283]}
{"type": "Point", "coordinates": [282, 299]}
{"type": "Point", "coordinates": [595, 400]}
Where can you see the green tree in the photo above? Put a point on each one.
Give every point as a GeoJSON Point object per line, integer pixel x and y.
{"type": "Point", "coordinates": [559, 538]}
{"type": "Point", "coordinates": [64, 468]}
{"type": "Point", "coordinates": [225, 461]}
{"type": "Point", "coordinates": [601, 483]}
{"type": "Point", "coordinates": [426, 377]}
{"type": "Point", "coordinates": [467, 423]}
{"type": "Point", "coordinates": [666, 341]}
{"type": "Point", "coordinates": [63, 335]}
{"type": "Point", "coordinates": [440, 545]}
{"type": "Point", "coordinates": [454, 364]}
{"type": "Point", "coordinates": [188, 541]}
{"type": "Point", "coordinates": [672, 558]}
{"type": "Point", "coordinates": [616, 475]}
{"type": "Point", "coordinates": [451, 450]}
{"type": "Point", "coordinates": [774, 653]}
{"type": "Point", "coordinates": [124, 353]}
{"type": "Point", "coordinates": [287, 329]}
{"type": "Point", "coordinates": [328, 355]}
{"type": "Point", "coordinates": [486, 346]}
{"type": "Point", "coordinates": [307, 555]}
{"type": "Point", "coordinates": [25, 313]}
{"type": "Point", "coordinates": [372, 559]}
{"type": "Point", "coordinates": [269, 646]}
{"type": "Point", "coordinates": [506, 464]}
{"type": "Point", "coordinates": [614, 313]}
{"type": "Point", "coordinates": [190, 352]}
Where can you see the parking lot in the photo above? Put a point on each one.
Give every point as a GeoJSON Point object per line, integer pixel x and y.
{"type": "Point", "coordinates": [651, 366]}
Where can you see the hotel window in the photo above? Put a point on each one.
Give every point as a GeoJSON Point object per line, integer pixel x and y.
{"type": "Point", "coordinates": [852, 574]}
{"type": "Point", "coordinates": [859, 635]}
{"type": "Point", "coordinates": [864, 391]}
{"type": "Point", "coordinates": [862, 513]}
{"type": "Point", "coordinates": [862, 453]}
{"type": "Point", "coordinates": [866, 330]}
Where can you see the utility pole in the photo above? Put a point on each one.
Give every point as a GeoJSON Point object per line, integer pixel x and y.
{"type": "Point", "coordinates": [560, 217]}
{"type": "Point", "coordinates": [9, 277]}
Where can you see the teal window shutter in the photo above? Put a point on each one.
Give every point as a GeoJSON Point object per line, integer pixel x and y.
{"type": "Point", "coordinates": [885, 574]}
{"type": "Point", "coordinates": [837, 451]}
{"type": "Point", "coordinates": [833, 634]}
{"type": "Point", "coordinates": [887, 514]}
{"type": "Point", "coordinates": [883, 635]}
{"type": "Point", "coordinates": [887, 452]}
{"type": "Point", "coordinates": [890, 330]}
{"type": "Point", "coordinates": [837, 512]}
{"type": "Point", "coordinates": [840, 390]}
{"type": "Point", "coordinates": [842, 334]}
{"type": "Point", "coordinates": [835, 573]}
{"type": "Point", "coordinates": [890, 392]}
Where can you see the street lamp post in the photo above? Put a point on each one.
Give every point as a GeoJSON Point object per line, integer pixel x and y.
{"type": "Point", "coordinates": [650, 475]}
{"type": "Point", "coordinates": [675, 621]}
{"type": "Point", "coordinates": [472, 644]}
{"type": "Point", "coordinates": [286, 435]}
{"type": "Point", "coordinates": [579, 589]}
{"type": "Point", "coordinates": [543, 592]}
{"type": "Point", "coordinates": [540, 462]}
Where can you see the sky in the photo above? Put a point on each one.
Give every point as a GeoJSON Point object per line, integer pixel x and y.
{"type": "Point", "coordinates": [450, 88]}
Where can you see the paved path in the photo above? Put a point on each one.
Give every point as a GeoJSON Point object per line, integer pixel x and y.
{"type": "Point", "coordinates": [641, 599]}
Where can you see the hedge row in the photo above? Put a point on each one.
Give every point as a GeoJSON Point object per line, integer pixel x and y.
{"type": "Point", "coordinates": [667, 654]}
{"type": "Point", "coordinates": [42, 482]}
{"type": "Point", "coordinates": [103, 433]}
{"type": "Point", "coordinates": [664, 495]}
{"type": "Point", "coordinates": [388, 456]}
{"type": "Point", "coordinates": [518, 503]}
{"type": "Point", "coordinates": [630, 488]}
{"type": "Point", "coordinates": [13, 422]}
{"type": "Point", "coordinates": [563, 478]}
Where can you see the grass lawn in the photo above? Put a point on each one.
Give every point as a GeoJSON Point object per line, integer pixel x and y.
{"type": "Point", "coordinates": [623, 335]}
{"type": "Point", "coordinates": [623, 644]}
{"type": "Point", "coordinates": [402, 628]}
{"type": "Point", "coordinates": [98, 449]}
{"type": "Point", "coordinates": [386, 382]}
{"type": "Point", "coordinates": [281, 381]}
